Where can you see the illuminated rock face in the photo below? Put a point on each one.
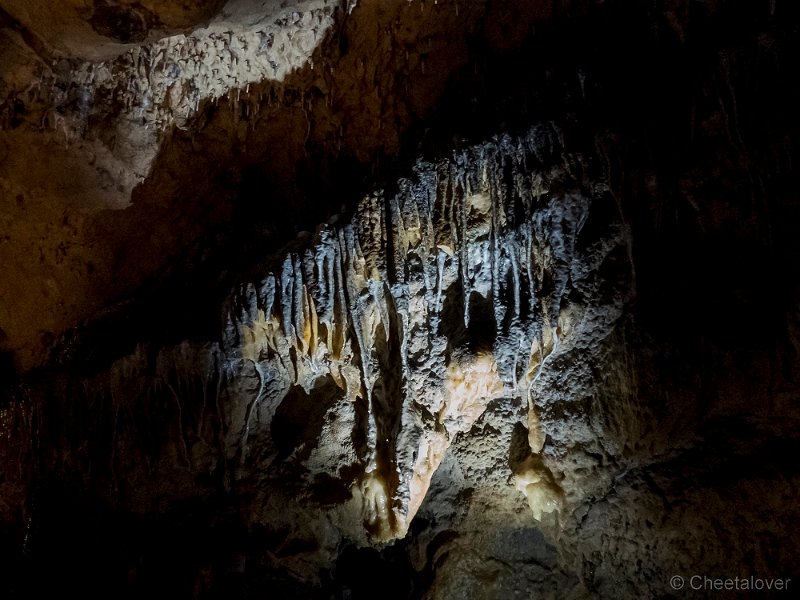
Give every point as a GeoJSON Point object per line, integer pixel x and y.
{"type": "Point", "coordinates": [84, 115]}
{"type": "Point", "coordinates": [101, 29]}
{"type": "Point", "coordinates": [402, 359]}
{"type": "Point", "coordinates": [459, 290]}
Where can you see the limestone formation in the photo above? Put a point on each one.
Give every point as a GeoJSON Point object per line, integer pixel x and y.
{"type": "Point", "coordinates": [413, 299]}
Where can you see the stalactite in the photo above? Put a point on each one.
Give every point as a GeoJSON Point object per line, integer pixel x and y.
{"type": "Point", "coordinates": [401, 324]}
{"type": "Point", "coordinates": [390, 266]}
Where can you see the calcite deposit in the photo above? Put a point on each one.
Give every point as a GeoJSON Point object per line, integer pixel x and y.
{"type": "Point", "coordinates": [455, 292]}
{"type": "Point", "coordinates": [419, 300]}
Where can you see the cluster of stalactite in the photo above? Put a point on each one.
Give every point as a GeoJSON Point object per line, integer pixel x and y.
{"type": "Point", "coordinates": [427, 305]}
{"type": "Point", "coordinates": [350, 365]}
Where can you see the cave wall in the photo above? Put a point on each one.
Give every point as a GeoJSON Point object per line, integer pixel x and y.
{"type": "Point", "coordinates": [483, 300]}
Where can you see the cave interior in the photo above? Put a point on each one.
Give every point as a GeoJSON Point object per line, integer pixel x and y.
{"type": "Point", "coordinates": [414, 299]}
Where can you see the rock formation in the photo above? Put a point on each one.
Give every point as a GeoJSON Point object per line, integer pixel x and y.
{"type": "Point", "coordinates": [413, 299]}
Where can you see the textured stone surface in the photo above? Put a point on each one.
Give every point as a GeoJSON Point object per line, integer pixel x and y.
{"type": "Point", "coordinates": [346, 373]}
{"type": "Point", "coordinates": [426, 308]}
{"type": "Point", "coordinates": [534, 332]}
{"type": "Point", "coordinates": [80, 136]}
{"type": "Point", "coordinates": [92, 150]}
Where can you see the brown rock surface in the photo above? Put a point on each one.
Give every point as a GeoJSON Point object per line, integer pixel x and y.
{"type": "Point", "coordinates": [412, 299]}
